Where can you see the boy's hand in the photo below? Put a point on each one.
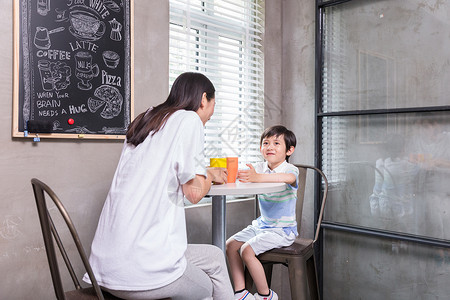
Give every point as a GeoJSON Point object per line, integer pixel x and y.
{"type": "Point", "coordinates": [249, 175]}
{"type": "Point", "coordinates": [217, 175]}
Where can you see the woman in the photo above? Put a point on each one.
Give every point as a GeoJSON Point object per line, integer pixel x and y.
{"type": "Point", "coordinates": [140, 248]}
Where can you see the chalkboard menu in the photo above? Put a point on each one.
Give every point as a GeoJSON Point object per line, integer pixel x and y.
{"type": "Point", "coordinates": [72, 68]}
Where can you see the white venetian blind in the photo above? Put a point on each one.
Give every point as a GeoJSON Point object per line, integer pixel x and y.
{"type": "Point", "coordinates": [223, 40]}
{"type": "Point", "coordinates": [334, 129]}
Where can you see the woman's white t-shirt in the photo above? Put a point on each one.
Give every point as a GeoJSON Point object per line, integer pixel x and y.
{"type": "Point", "coordinates": [141, 236]}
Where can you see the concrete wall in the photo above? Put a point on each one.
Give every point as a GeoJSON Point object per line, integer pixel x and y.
{"type": "Point", "coordinates": [289, 78]}
{"type": "Point", "coordinates": [289, 94]}
{"type": "Point", "coordinates": [89, 165]}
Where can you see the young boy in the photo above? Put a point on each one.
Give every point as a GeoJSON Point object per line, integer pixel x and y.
{"type": "Point", "coordinates": [277, 226]}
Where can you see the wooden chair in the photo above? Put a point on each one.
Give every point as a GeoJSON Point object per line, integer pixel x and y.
{"type": "Point", "coordinates": [49, 229]}
{"type": "Point", "coordinates": [299, 257]}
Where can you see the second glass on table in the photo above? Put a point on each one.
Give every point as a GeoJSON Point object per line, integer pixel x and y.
{"type": "Point", "coordinates": [232, 168]}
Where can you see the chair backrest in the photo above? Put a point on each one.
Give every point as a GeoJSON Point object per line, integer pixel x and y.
{"type": "Point", "coordinates": [40, 189]}
{"type": "Point", "coordinates": [301, 195]}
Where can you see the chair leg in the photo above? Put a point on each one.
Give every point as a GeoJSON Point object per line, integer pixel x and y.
{"type": "Point", "coordinates": [297, 279]}
{"type": "Point", "coordinates": [313, 281]}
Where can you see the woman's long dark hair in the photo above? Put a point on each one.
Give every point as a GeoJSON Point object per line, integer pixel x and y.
{"type": "Point", "coordinates": [186, 93]}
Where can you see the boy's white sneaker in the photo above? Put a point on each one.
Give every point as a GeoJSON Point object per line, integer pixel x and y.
{"type": "Point", "coordinates": [272, 296]}
{"type": "Point", "coordinates": [244, 295]}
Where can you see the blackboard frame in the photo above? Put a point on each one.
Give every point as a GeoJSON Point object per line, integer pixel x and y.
{"type": "Point", "coordinates": [20, 131]}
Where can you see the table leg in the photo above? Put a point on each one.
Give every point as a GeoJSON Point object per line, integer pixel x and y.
{"type": "Point", "coordinates": [218, 221]}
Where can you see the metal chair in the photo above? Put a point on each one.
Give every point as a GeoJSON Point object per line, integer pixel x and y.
{"type": "Point", "coordinates": [299, 257]}
{"type": "Point", "coordinates": [48, 228]}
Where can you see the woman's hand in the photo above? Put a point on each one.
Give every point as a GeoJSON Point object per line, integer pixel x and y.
{"type": "Point", "coordinates": [249, 175]}
{"type": "Point", "coordinates": [217, 175]}
{"type": "Point", "coordinates": [195, 189]}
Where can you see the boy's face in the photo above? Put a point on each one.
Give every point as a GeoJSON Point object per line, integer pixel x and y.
{"type": "Point", "coordinates": [274, 150]}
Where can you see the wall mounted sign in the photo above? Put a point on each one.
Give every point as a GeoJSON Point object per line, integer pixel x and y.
{"type": "Point", "coordinates": [72, 68]}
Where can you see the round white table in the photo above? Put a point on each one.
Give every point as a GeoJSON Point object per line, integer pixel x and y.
{"type": "Point", "coordinates": [219, 193]}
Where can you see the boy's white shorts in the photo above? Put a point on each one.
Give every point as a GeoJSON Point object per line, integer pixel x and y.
{"type": "Point", "coordinates": [262, 240]}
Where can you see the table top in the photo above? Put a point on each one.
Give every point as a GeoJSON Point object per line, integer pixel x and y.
{"type": "Point", "coordinates": [240, 188]}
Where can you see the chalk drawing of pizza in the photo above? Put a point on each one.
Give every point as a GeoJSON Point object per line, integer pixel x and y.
{"type": "Point", "coordinates": [108, 96]}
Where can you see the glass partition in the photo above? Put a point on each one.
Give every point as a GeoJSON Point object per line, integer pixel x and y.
{"type": "Point", "coordinates": [383, 138]}
{"type": "Point", "coordinates": [391, 172]}
{"type": "Point", "coordinates": [385, 54]}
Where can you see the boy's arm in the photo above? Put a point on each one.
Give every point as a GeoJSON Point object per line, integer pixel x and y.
{"type": "Point", "coordinates": [251, 176]}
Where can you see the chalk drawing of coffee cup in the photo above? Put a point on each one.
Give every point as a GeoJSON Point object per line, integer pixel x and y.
{"type": "Point", "coordinates": [111, 59]}
{"type": "Point", "coordinates": [85, 70]}
{"type": "Point", "coordinates": [60, 15]}
{"type": "Point", "coordinates": [86, 25]}
{"type": "Point", "coordinates": [45, 72]}
{"type": "Point", "coordinates": [43, 7]}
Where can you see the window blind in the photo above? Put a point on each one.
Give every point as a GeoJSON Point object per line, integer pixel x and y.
{"type": "Point", "coordinates": [223, 40]}
{"type": "Point", "coordinates": [334, 130]}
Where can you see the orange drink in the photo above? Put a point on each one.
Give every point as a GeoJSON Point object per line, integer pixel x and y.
{"type": "Point", "coordinates": [232, 168]}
